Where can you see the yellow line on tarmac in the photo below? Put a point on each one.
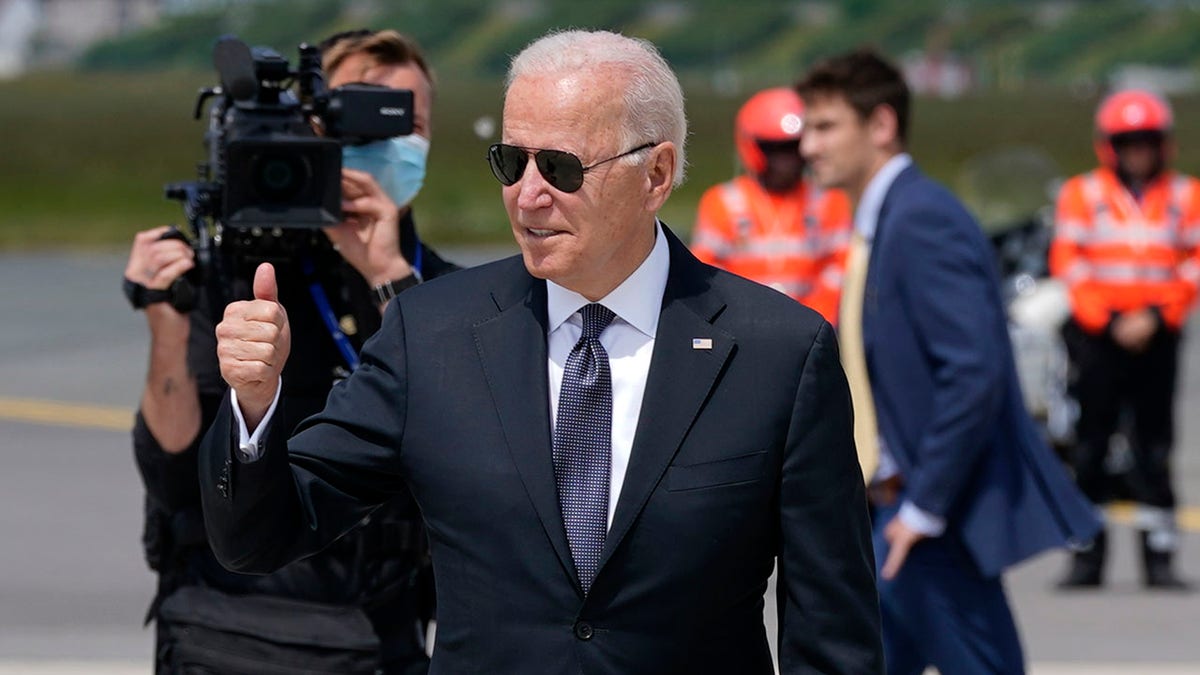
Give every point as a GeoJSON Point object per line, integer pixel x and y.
{"type": "Point", "coordinates": [85, 416]}
{"type": "Point", "coordinates": [1189, 518]}
{"type": "Point", "coordinates": [111, 418]}
{"type": "Point", "coordinates": [1124, 513]}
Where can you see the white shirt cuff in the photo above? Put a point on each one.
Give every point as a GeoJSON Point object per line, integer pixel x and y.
{"type": "Point", "coordinates": [250, 444]}
{"type": "Point", "coordinates": [918, 520]}
{"type": "Point", "coordinates": [887, 467]}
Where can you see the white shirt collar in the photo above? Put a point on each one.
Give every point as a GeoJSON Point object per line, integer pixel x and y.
{"type": "Point", "coordinates": [866, 216]}
{"type": "Point", "coordinates": [637, 301]}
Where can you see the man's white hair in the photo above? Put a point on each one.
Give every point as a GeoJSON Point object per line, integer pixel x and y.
{"type": "Point", "coordinates": [653, 98]}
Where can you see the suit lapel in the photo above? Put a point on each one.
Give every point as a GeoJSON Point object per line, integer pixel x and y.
{"type": "Point", "coordinates": [894, 194]}
{"type": "Point", "coordinates": [680, 379]}
{"type": "Point", "coordinates": [512, 347]}
{"type": "Point", "coordinates": [883, 227]}
{"type": "Point", "coordinates": [677, 385]}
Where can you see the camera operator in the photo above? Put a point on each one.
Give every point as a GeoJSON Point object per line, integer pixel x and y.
{"type": "Point", "coordinates": [364, 602]}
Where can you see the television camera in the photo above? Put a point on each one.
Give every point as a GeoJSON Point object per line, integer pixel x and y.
{"type": "Point", "coordinates": [273, 172]}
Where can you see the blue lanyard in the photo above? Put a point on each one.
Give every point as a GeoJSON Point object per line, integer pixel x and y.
{"type": "Point", "coordinates": [418, 259]}
{"type": "Point", "coordinates": [330, 319]}
{"type": "Point", "coordinates": [327, 315]}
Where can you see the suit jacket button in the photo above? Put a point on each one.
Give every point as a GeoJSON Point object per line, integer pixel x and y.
{"type": "Point", "coordinates": [583, 630]}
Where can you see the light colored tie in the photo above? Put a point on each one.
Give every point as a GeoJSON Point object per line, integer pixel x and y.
{"type": "Point", "coordinates": [854, 356]}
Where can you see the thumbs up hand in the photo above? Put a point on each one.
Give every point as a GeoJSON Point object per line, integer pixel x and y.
{"type": "Point", "coordinates": [253, 342]}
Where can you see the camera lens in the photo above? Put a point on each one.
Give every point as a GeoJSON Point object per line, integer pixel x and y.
{"type": "Point", "coordinates": [280, 177]}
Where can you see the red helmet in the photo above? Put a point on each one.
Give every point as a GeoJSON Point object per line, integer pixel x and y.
{"type": "Point", "coordinates": [1128, 111]}
{"type": "Point", "coordinates": [770, 115]}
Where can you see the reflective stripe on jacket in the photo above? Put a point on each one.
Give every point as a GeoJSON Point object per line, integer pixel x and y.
{"type": "Point", "coordinates": [796, 242]}
{"type": "Point", "coordinates": [1120, 254]}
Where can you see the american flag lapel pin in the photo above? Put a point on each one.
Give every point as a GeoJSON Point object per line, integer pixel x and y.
{"type": "Point", "coordinates": [701, 343]}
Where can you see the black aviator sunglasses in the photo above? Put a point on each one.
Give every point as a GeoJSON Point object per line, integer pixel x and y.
{"type": "Point", "coordinates": [561, 169]}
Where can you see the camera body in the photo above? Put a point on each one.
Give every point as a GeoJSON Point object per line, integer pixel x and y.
{"type": "Point", "coordinates": [271, 180]}
{"type": "Point", "coordinates": [271, 167]}
{"type": "Point", "coordinates": [276, 174]}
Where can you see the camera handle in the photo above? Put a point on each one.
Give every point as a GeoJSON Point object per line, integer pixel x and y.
{"type": "Point", "coordinates": [203, 95]}
{"type": "Point", "coordinates": [198, 199]}
{"type": "Point", "coordinates": [181, 294]}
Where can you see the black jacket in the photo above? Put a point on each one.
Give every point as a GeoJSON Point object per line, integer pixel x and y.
{"type": "Point", "coordinates": [743, 456]}
{"type": "Point", "coordinates": [373, 566]}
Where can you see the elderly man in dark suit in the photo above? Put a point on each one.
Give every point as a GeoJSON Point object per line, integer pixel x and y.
{"type": "Point", "coordinates": [961, 485]}
{"type": "Point", "coordinates": [611, 443]}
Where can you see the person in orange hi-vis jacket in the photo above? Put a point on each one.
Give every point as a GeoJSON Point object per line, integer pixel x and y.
{"type": "Point", "coordinates": [1127, 245]}
{"type": "Point", "coordinates": [771, 225]}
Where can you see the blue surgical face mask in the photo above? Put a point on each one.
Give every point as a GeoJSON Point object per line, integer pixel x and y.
{"type": "Point", "coordinates": [398, 164]}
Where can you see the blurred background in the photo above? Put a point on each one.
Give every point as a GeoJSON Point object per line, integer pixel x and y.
{"type": "Point", "coordinates": [97, 94]}
{"type": "Point", "coordinates": [96, 100]}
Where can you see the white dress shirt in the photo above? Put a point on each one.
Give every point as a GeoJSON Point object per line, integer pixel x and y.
{"type": "Point", "coordinates": [866, 221]}
{"type": "Point", "coordinates": [629, 341]}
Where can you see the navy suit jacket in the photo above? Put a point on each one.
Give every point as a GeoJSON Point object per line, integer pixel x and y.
{"type": "Point", "coordinates": [743, 456]}
{"type": "Point", "coordinates": [945, 386]}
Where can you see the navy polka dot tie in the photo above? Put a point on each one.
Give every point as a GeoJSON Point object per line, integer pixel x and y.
{"type": "Point", "coordinates": [583, 444]}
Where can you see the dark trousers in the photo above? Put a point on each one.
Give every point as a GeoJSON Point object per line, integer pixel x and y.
{"type": "Point", "coordinates": [940, 611]}
{"type": "Point", "coordinates": [1111, 385]}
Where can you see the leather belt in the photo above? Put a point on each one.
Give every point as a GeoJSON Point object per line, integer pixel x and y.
{"type": "Point", "coordinates": [885, 492]}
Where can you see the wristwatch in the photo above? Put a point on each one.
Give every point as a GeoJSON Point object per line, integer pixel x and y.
{"type": "Point", "coordinates": [386, 291]}
{"type": "Point", "coordinates": [139, 296]}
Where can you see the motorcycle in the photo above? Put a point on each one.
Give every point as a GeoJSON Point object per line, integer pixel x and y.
{"type": "Point", "coordinates": [1006, 184]}
{"type": "Point", "coordinates": [1012, 191]}
{"type": "Point", "coordinates": [1038, 308]}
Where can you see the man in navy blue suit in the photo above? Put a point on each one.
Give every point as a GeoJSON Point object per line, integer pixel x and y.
{"type": "Point", "coordinates": [612, 444]}
{"type": "Point", "coordinates": [961, 486]}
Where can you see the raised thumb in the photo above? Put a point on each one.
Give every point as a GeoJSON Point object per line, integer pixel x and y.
{"type": "Point", "coordinates": [265, 287]}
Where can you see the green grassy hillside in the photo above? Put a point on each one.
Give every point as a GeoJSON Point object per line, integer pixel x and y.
{"type": "Point", "coordinates": [1007, 41]}
{"type": "Point", "coordinates": [84, 155]}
